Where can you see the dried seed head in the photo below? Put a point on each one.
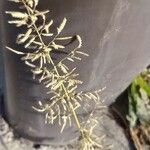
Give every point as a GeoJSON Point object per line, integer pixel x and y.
{"type": "Point", "coordinates": [60, 80]}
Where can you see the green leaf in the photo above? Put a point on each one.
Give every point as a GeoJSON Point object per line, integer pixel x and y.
{"type": "Point", "coordinates": [143, 84]}
{"type": "Point", "coordinates": [132, 117]}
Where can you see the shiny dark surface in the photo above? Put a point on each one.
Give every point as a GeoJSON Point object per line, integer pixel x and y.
{"type": "Point", "coordinates": [116, 35]}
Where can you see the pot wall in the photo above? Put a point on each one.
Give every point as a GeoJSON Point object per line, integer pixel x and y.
{"type": "Point", "coordinates": [116, 35]}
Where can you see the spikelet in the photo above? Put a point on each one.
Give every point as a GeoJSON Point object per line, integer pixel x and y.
{"type": "Point", "coordinates": [16, 1]}
{"type": "Point", "coordinates": [47, 26]}
{"type": "Point", "coordinates": [62, 25]}
{"type": "Point", "coordinates": [15, 51]}
{"type": "Point", "coordinates": [16, 14]}
{"type": "Point", "coordinates": [24, 37]}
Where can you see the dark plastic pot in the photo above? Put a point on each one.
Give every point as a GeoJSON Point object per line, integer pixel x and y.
{"type": "Point", "coordinates": [116, 35]}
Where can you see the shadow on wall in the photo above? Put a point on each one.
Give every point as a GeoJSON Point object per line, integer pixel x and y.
{"type": "Point", "coordinates": [1, 105]}
{"type": "Point", "coordinates": [1, 84]}
{"type": "Point", "coordinates": [119, 110]}
{"type": "Point", "coordinates": [1, 69]}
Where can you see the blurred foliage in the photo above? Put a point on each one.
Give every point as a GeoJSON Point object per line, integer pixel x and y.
{"type": "Point", "coordinates": [139, 100]}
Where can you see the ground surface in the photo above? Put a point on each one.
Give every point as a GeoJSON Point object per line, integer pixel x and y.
{"type": "Point", "coordinates": [115, 137]}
